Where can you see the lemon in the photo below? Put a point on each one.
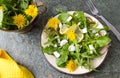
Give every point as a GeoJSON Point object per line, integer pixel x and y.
{"type": "Point", "coordinates": [78, 32]}
{"type": "Point", "coordinates": [1, 16]}
{"type": "Point", "coordinates": [63, 28]}
{"type": "Point", "coordinates": [75, 28]}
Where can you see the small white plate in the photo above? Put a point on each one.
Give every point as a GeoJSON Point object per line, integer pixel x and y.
{"type": "Point", "coordinates": [80, 70]}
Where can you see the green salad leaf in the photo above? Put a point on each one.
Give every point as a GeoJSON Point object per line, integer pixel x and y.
{"type": "Point", "coordinates": [63, 17]}
{"type": "Point", "coordinates": [49, 50]}
{"type": "Point", "coordinates": [24, 4]}
{"type": "Point", "coordinates": [103, 41]}
{"type": "Point", "coordinates": [61, 62]}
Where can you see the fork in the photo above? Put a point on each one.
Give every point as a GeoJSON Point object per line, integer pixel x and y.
{"type": "Point", "coordinates": [95, 12]}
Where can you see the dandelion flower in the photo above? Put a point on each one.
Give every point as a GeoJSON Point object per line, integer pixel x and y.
{"type": "Point", "coordinates": [71, 65]}
{"type": "Point", "coordinates": [53, 23]}
{"type": "Point", "coordinates": [71, 35]}
{"type": "Point", "coordinates": [19, 20]}
{"type": "Point", "coordinates": [32, 11]}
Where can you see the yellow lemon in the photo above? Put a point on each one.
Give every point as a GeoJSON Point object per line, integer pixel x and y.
{"type": "Point", "coordinates": [77, 31]}
{"type": "Point", "coordinates": [63, 28]}
{"type": "Point", "coordinates": [79, 34]}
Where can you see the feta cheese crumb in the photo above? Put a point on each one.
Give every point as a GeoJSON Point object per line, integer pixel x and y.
{"type": "Point", "coordinates": [79, 23]}
{"type": "Point", "coordinates": [71, 47]}
{"type": "Point", "coordinates": [55, 45]}
{"type": "Point", "coordinates": [63, 42]}
{"type": "Point", "coordinates": [103, 32]}
{"type": "Point", "coordinates": [91, 47]}
{"type": "Point", "coordinates": [69, 18]}
{"type": "Point", "coordinates": [91, 52]}
{"type": "Point", "coordinates": [96, 34]}
{"type": "Point", "coordinates": [56, 54]}
{"type": "Point", "coordinates": [84, 30]}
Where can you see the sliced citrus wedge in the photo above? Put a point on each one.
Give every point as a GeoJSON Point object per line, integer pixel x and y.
{"type": "Point", "coordinates": [73, 27]}
{"type": "Point", "coordinates": [77, 31]}
{"type": "Point", "coordinates": [79, 34]}
{"type": "Point", "coordinates": [63, 28]}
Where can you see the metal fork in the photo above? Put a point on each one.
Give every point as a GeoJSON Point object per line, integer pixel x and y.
{"type": "Point", "coordinates": [95, 12]}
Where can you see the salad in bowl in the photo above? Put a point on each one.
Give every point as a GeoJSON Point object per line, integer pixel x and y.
{"type": "Point", "coordinates": [75, 42]}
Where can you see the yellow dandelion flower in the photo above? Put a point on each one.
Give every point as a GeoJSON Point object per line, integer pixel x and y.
{"type": "Point", "coordinates": [2, 8]}
{"type": "Point", "coordinates": [32, 11]}
{"type": "Point", "coordinates": [71, 35]}
{"type": "Point", "coordinates": [71, 65]}
{"type": "Point", "coordinates": [19, 20]}
{"type": "Point", "coordinates": [53, 23]}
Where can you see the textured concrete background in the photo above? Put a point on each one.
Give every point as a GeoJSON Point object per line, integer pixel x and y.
{"type": "Point", "coordinates": [24, 48]}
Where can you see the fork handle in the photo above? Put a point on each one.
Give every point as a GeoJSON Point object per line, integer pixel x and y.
{"type": "Point", "coordinates": [112, 28]}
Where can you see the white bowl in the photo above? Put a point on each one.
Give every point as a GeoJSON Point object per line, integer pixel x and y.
{"type": "Point", "coordinates": [80, 70]}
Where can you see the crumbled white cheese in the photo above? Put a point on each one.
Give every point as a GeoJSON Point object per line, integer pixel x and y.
{"type": "Point", "coordinates": [91, 52]}
{"type": "Point", "coordinates": [56, 54]}
{"type": "Point", "coordinates": [55, 45]}
{"type": "Point", "coordinates": [91, 47]}
{"type": "Point", "coordinates": [96, 34]}
{"type": "Point", "coordinates": [84, 30]}
{"type": "Point", "coordinates": [103, 32]}
{"type": "Point", "coordinates": [63, 42]}
{"type": "Point", "coordinates": [79, 23]}
{"type": "Point", "coordinates": [71, 47]}
{"type": "Point", "coordinates": [69, 18]}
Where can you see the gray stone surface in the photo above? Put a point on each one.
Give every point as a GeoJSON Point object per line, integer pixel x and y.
{"type": "Point", "coordinates": [25, 48]}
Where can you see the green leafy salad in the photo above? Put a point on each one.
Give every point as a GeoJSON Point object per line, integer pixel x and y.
{"type": "Point", "coordinates": [16, 14]}
{"type": "Point", "coordinates": [75, 39]}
